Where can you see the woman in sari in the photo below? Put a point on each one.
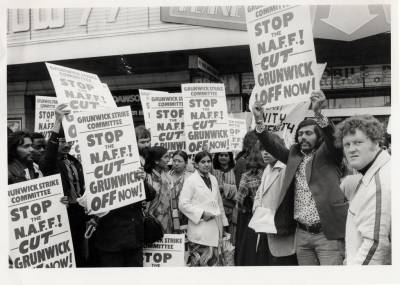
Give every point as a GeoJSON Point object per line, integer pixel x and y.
{"type": "Point", "coordinates": [248, 186]}
{"type": "Point", "coordinates": [156, 167]}
{"type": "Point", "coordinates": [178, 175]}
{"type": "Point", "coordinates": [224, 165]}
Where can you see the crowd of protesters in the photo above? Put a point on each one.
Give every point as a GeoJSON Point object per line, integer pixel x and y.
{"type": "Point", "coordinates": [323, 201]}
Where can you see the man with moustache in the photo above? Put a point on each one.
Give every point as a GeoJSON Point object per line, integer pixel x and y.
{"type": "Point", "coordinates": [21, 165]}
{"type": "Point", "coordinates": [314, 205]}
{"type": "Point", "coordinates": [368, 223]}
{"type": "Point", "coordinates": [58, 160]}
{"type": "Point", "coordinates": [143, 139]}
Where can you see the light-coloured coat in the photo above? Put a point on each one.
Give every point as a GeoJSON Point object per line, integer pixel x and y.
{"type": "Point", "coordinates": [369, 216]}
{"type": "Point", "coordinates": [195, 198]}
{"type": "Point", "coordinates": [269, 195]}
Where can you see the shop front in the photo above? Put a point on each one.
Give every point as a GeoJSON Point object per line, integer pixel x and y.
{"type": "Point", "coordinates": [159, 49]}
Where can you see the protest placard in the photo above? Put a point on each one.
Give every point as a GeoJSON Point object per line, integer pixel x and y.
{"type": "Point", "coordinates": [39, 232]}
{"type": "Point", "coordinates": [82, 91]}
{"type": "Point", "coordinates": [237, 131]}
{"type": "Point", "coordinates": [167, 253]}
{"type": "Point", "coordinates": [145, 97]}
{"type": "Point", "coordinates": [75, 151]}
{"type": "Point", "coordinates": [284, 120]}
{"type": "Point", "coordinates": [206, 117]}
{"type": "Point", "coordinates": [44, 114]}
{"type": "Point", "coordinates": [282, 54]}
{"type": "Point", "coordinates": [167, 122]}
{"type": "Point", "coordinates": [110, 158]}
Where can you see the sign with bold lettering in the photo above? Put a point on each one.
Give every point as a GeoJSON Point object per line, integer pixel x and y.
{"type": "Point", "coordinates": [170, 252]}
{"type": "Point", "coordinates": [145, 99]}
{"type": "Point", "coordinates": [237, 131]}
{"type": "Point", "coordinates": [167, 122]}
{"type": "Point", "coordinates": [284, 120]}
{"type": "Point", "coordinates": [110, 158]}
{"type": "Point", "coordinates": [44, 114]}
{"type": "Point", "coordinates": [39, 232]}
{"type": "Point", "coordinates": [282, 53]}
{"type": "Point", "coordinates": [206, 117]}
{"type": "Point", "coordinates": [227, 17]}
{"type": "Point", "coordinates": [82, 91]}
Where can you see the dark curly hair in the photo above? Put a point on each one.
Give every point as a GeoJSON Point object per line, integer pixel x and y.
{"type": "Point", "coordinates": [249, 140]}
{"type": "Point", "coordinates": [216, 163]}
{"type": "Point", "coordinates": [14, 140]}
{"type": "Point", "coordinates": [141, 132]}
{"type": "Point", "coordinates": [255, 159]}
{"type": "Point", "coordinates": [155, 154]}
{"type": "Point", "coordinates": [317, 130]}
{"type": "Point", "coordinates": [368, 124]}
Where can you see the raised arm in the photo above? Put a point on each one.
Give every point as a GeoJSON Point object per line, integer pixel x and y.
{"type": "Point", "coordinates": [269, 141]}
{"type": "Point", "coordinates": [318, 101]}
{"type": "Point", "coordinates": [48, 163]}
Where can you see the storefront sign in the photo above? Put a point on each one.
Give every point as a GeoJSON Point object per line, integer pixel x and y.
{"type": "Point", "coordinates": [226, 17]}
{"type": "Point", "coordinates": [166, 253]}
{"type": "Point", "coordinates": [195, 62]}
{"type": "Point", "coordinates": [132, 100]}
{"type": "Point", "coordinates": [282, 54]}
{"type": "Point", "coordinates": [39, 231]}
{"type": "Point", "coordinates": [110, 158]}
{"type": "Point", "coordinates": [327, 20]}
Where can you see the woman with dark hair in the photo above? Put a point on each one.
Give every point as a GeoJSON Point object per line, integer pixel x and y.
{"type": "Point", "coordinates": [178, 175]}
{"type": "Point", "coordinates": [224, 164]}
{"type": "Point", "coordinates": [248, 186]}
{"type": "Point", "coordinates": [20, 158]}
{"type": "Point", "coordinates": [200, 200]}
{"type": "Point", "coordinates": [249, 141]}
{"type": "Point", "coordinates": [156, 167]}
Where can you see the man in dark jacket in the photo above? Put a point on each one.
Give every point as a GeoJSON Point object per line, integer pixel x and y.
{"type": "Point", "coordinates": [313, 202]}
{"type": "Point", "coordinates": [58, 160]}
{"type": "Point", "coordinates": [119, 238]}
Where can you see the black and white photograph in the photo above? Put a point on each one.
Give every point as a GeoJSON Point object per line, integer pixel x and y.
{"type": "Point", "coordinates": [252, 141]}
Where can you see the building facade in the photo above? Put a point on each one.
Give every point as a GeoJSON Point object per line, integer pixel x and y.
{"type": "Point", "coordinates": [161, 48]}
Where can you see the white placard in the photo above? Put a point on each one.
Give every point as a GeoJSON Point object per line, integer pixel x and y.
{"type": "Point", "coordinates": [206, 117]}
{"type": "Point", "coordinates": [39, 231]}
{"type": "Point", "coordinates": [282, 53]}
{"type": "Point", "coordinates": [45, 115]}
{"type": "Point", "coordinates": [81, 91]}
{"type": "Point", "coordinates": [167, 253]}
{"type": "Point", "coordinates": [167, 121]}
{"type": "Point", "coordinates": [110, 157]}
{"type": "Point", "coordinates": [237, 131]}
